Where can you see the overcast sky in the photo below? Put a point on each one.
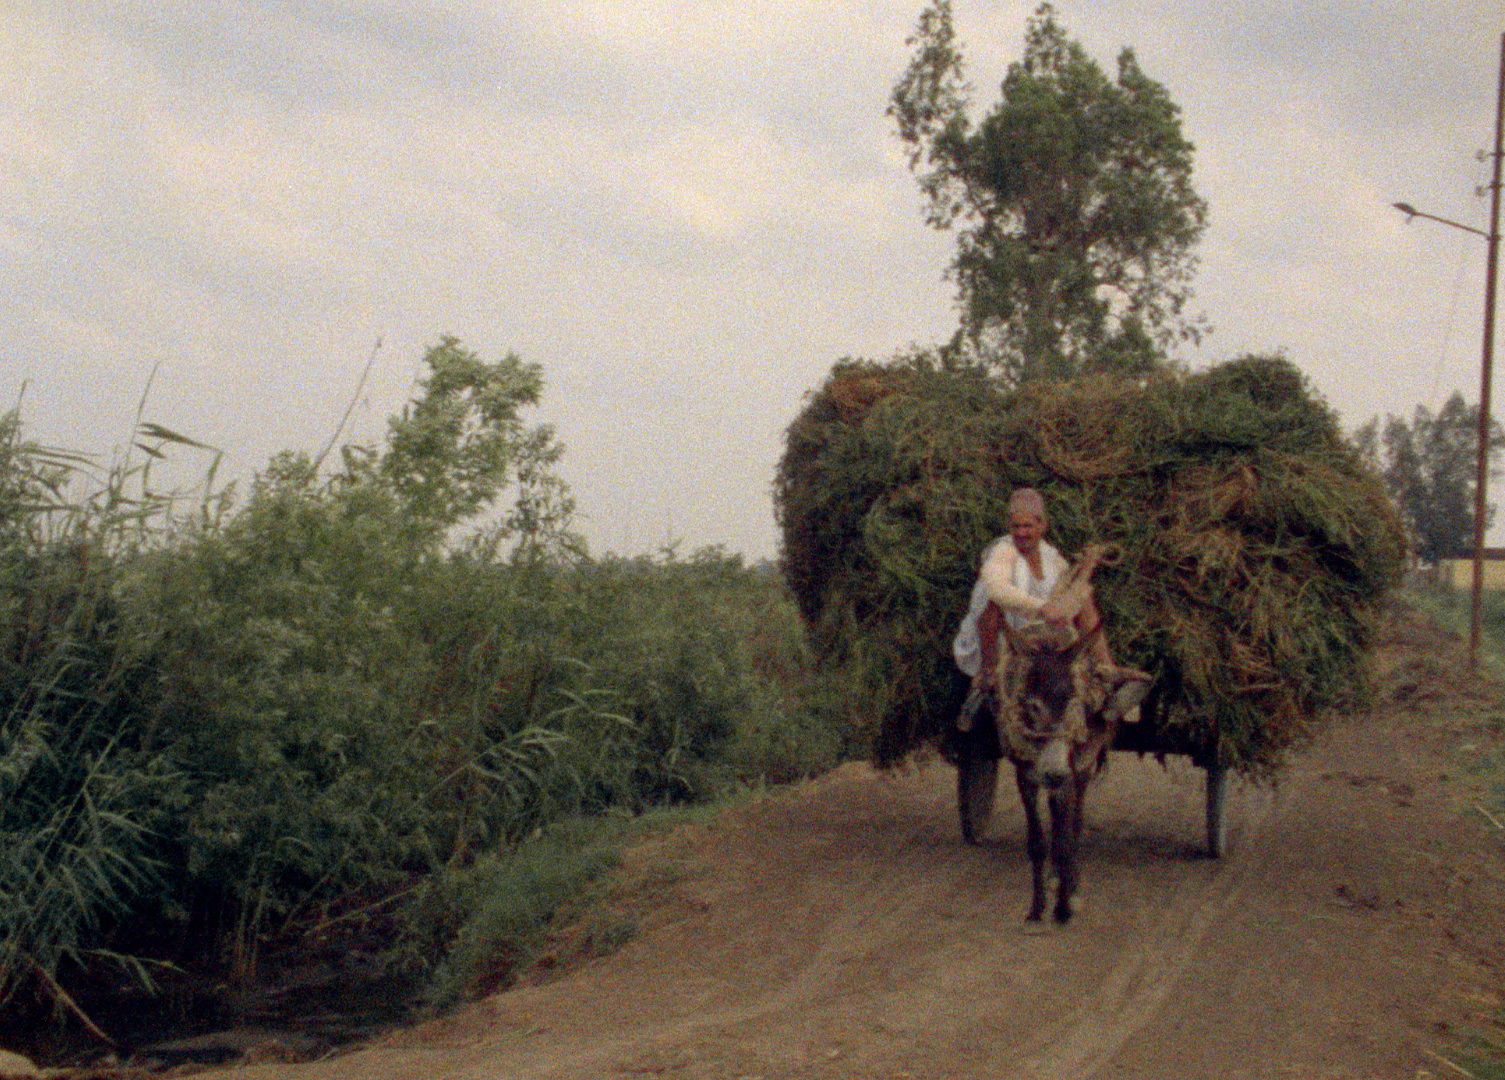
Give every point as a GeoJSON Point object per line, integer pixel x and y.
{"type": "Point", "coordinates": [684, 212]}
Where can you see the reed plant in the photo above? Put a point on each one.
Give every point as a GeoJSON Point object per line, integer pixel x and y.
{"type": "Point", "coordinates": [83, 796]}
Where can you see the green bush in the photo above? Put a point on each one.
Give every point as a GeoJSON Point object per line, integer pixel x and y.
{"type": "Point", "coordinates": [285, 686]}
{"type": "Point", "coordinates": [487, 920]}
{"type": "Point", "coordinates": [322, 712]}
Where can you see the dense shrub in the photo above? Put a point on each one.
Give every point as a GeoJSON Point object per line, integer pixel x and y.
{"type": "Point", "coordinates": [321, 711]}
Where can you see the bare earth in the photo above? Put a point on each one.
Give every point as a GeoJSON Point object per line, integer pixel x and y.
{"type": "Point", "coordinates": [842, 929]}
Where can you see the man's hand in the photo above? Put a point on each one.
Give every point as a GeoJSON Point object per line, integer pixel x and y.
{"type": "Point", "coordinates": [1054, 613]}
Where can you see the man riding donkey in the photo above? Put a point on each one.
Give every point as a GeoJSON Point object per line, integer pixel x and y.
{"type": "Point", "coordinates": [1027, 592]}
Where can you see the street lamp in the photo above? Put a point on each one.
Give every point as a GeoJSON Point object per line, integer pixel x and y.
{"type": "Point", "coordinates": [1481, 478]}
{"type": "Point", "coordinates": [1411, 212]}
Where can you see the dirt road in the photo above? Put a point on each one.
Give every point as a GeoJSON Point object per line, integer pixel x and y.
{"type": "Point", "coordinates": [842, 930]}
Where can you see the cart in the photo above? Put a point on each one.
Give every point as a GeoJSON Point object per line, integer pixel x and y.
{"type": "Point", "coordinates": [976, 754]}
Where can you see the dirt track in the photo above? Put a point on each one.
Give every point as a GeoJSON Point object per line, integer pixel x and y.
{"type": "Point", "coordinates": [1357, 929]}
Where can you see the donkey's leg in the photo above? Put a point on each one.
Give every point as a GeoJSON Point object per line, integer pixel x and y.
{"type": "Point", "coordinates": [1029, 795]}
{"type": "Point", "coordinates": [1080, 782]}
{"type": "Point", "coordinates": [1065, 819]}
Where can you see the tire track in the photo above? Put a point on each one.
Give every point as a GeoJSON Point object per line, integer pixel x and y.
{"type": "Point", "coordinates": [842, 931]}
{"type": "Point", "coordinates": [1133, 991]}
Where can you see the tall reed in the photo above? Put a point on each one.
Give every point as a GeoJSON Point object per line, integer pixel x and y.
{"type": "Point", "coordinates": [81, 796]}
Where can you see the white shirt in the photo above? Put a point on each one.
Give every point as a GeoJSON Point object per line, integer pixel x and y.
{"type": "Point", "coordinates": [1007, 580]}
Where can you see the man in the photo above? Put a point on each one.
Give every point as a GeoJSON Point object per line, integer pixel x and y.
{"type": "Point", "coordinates": [1019, 574]}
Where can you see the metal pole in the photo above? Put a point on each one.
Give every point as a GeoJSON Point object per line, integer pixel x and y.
{"type": "Point", "coordinates": [1481, 480]}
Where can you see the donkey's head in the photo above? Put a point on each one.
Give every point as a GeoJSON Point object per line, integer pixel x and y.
{"type": "Point", "coordinates": [1059, 709]}
{"type": "Point", "coordinates": [1053, 709]}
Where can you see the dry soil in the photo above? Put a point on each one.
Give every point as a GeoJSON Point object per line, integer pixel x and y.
{"type": "Point", "coordinates": [841, 929]}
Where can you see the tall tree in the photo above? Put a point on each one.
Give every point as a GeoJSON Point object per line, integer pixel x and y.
{"type": "Point", "coordinates": [452, 449]}
{"type": "Point", "coordinates": [1072, 200]}
{"type": "Point", "coordinates": [1430, 467]}
{"type": "Point", "coordinates": [456, 447]}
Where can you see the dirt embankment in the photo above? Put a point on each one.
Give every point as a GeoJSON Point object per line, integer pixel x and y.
{"type": "Point", "coordinates": [842, 930]}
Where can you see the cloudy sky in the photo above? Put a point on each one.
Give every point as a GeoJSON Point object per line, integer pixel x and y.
{"type": "Point", "coordinates": [685, 212]}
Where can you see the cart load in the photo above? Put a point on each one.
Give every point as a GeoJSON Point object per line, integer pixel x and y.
{"type": "Point", "coordinates": [1255, 544]}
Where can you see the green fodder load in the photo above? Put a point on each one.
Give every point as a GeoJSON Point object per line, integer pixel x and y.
{"type": "Point", "coordinates": [1255, 544]}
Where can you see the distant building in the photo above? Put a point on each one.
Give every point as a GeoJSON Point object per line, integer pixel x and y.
{"type": "Point", "coordinates": [1458, 573]}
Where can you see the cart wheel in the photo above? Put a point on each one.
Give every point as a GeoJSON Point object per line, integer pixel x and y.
{"type": "Point", "coordinates": [1217, 819]}
{"type": "Point", "coordinates": [976, 784]}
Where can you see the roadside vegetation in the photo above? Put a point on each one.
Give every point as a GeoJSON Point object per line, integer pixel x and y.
{"type": "Point", "coordinates": [362, 709]}
{"type": "Point", "coordinates": [1481, 1053]}
{"type": "Point", "coordinates": [1451, 609]}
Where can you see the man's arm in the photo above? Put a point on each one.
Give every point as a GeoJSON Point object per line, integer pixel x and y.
{"type": "Point", "coordinates": [997, 576]}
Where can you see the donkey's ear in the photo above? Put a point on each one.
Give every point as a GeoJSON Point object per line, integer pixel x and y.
{"type": "Point", "coordinates": [1130, 689]}
{"type": "Point", "coordinates": [1128, 695]}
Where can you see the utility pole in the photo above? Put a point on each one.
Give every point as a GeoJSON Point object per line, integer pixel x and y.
{"type": "Point", "coordinates": [1492, 264]}
{"type": "Point", "coordinates": [1486, 374]}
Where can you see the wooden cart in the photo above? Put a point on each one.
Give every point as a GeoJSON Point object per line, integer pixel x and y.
{"type": "Point", "coordinates": [977, 753]}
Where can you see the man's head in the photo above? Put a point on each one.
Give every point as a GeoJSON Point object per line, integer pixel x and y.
{"type": "Point", "coordinates": [1026, 519]}
{"type": "Point", "coordinates": [1028, 501]}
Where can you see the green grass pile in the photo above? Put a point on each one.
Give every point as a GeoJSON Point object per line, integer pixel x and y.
{"type": "Point", "coordinates": [1255, 544]}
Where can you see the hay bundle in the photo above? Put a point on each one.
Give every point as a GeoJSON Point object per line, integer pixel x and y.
{"type": "Point", "coordinates": [1255, 544]}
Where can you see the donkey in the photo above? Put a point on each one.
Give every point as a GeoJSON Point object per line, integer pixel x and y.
{"type": "Point", "coordinates": [1056, 723]}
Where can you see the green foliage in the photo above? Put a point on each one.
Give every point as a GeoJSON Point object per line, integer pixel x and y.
{"type": "Point", "coordinates": [1073, 198]}
{"type": "Point", "coordinates": [351, 712]}
{"type": "Point", "coordinates": [82, 796]}
{"type": "Point", "coordinates": [1430, 467]}
{"type": "Point", "coordinates": [710, 664]}
{"type": "Point", "coordinates": [285, 676]}
{"type": "Point", "coordinates": [29, 486]}
{"type": "Point", "coordinates": [78, 798]}
{"type": "Point", "coordinates": [488, 919]}
{"type": "Point", "coordinates": [315, 713]}
{"type": "Point", "coordinates": [453, 450]}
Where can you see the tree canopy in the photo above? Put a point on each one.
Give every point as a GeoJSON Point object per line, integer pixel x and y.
{"type": "Point", "coordinates": [1072, 200]}
{"type": "Point", "coordinates": [1430, 467]}
{"type": "Point", "coordinates": [449, 456]}
{"type": "Point", "coordinates": [452, 450]}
